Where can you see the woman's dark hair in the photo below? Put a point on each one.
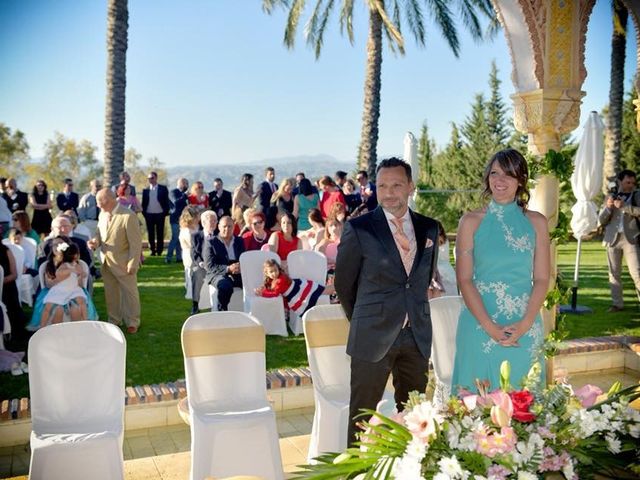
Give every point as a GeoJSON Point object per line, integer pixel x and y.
{"type": "Point", "coordinates": [316, 216]}
{"type": "Point", "coordinates": [245, 179]}
{"type": "Point", "coordinates": [294, 222]}
{"type": "Point", "coordinates": [59, 255]}
{"type": "Point", "coordinates": [515, 165]}
{"type": "Point", "coordinates": [305, 187]}
{"type": "Point", "coordinates": [35, 188]}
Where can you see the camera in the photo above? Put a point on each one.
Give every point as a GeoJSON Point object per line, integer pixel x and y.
{"type": "Point", "coordinates": [612, 190]}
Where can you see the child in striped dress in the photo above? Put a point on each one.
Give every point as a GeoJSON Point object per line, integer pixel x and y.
{"type": "Point", "coordinates": [299, 294]}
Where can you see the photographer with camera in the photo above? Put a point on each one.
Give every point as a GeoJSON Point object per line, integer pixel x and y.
{"type": "Point", "coordinates": [619, 217]}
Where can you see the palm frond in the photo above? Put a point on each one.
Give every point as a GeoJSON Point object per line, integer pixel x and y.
{"type": "Point", "coordinates": [268, 6]}
{"type": "Point", "coordinates": [376, 6]}
{"type": "Point", "coordinates": [322, 28]}
{"type": "Point", "coordinates": [485, 8]}
{"type": "Point", "coordinates": [443, 18]}
{"type": "Point", "coordinates": [346, 19]}
{"type": "Point", "coordinates": [416, 20]}
{"type": "Point", "coordinates": [311, 26]}
{"type": "Point", "coordinates": [470, 19]}
{"type": "Point", "coordinates": [292, 22]}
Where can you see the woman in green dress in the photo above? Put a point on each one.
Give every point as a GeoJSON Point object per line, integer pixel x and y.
{"type": "Point", "coordinates": [502, 268]}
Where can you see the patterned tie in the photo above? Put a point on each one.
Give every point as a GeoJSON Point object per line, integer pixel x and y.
{"type": "Point", "coordinates": [404, 244]}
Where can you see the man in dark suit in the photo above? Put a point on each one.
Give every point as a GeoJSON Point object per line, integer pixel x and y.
{"type": "Point", "coordinates": [266, 189]}
{"type": "Point", "coordinates": [221, 254]}
{"type": "Point", "coordinates": [68, 199]}
{"type": "Point", "coordinates": [16, 199]}
{"type": "Point", "coordinates": [178, 201]}
{"type": "Point", "coordinates": [367, 190]}
{"type": "Point", "coordinates": [385, 263]}
{"type": "Point", "coordinates": [220, 199]}
{"type": "Point", "coordinates": [155, 207]}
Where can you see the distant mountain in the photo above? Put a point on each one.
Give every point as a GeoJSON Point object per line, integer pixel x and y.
{"type": "Point", "coordinates": [314, 166]}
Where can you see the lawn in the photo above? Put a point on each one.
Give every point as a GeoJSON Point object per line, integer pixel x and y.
{"type": "Point", "coordinates": [154, 354]}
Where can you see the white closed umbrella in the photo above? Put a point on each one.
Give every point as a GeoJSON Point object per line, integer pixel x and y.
{"type": "Point", "coordinates": [586, 182]}
{"type": "Point", "coordinates": [411, 157]}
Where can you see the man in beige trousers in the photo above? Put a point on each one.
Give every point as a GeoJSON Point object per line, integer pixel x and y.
{"type": "Point", "coordinates": [120, 241]}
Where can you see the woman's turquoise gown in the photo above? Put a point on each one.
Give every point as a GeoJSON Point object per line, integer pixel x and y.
{"type": "Point", "coordinates": [503, 251]}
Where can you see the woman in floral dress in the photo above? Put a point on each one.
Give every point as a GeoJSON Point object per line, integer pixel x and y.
{"type": "Point", "coordinates": [503, 272]}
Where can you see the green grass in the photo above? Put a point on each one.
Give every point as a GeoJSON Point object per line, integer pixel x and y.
{"type": "Point", "coordinates": [154, 354]}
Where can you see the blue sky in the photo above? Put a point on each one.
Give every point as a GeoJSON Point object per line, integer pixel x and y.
{"type": "Point", "coordinates": [209, 81]}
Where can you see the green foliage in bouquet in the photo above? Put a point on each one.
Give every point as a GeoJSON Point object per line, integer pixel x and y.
{"type": "Point", "coordinates": [500, 435]}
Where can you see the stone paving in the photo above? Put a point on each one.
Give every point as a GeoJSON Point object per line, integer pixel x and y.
{"type": "Point", "coordinates": [163, 453]}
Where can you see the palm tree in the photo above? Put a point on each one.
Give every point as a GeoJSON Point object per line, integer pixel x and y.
{"type": "Point", "coordinates": [613, 132]}
{"type": "Point", "coordinates": [382, 22]}
{"type": "Point", "coordinates": [114, 129]}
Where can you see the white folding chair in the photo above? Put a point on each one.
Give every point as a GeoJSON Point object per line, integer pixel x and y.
{"type": "Point", "coordinates": [24, 283]}
{"type": "Point", "coordinates": [30, 247]}
{"type": "Point", "coordinates": [309, 265]}
{"type": "Point", "coordinates": [76, 382]}
{"type": "Point", "coordinates": [269, 311]}
{"type": "Point", "coordinates": [325, 331]}
{"type": "Point", "coordinates": [233, 427]}
{"type": "Point", "coordinates": [444, 320]}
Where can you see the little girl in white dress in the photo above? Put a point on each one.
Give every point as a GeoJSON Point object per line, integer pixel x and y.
{"type": "Point", "coordinates": [67, 294]}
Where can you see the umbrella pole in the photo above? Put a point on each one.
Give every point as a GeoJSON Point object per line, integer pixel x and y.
{"type": "Point", "coordinates": [576, 273]}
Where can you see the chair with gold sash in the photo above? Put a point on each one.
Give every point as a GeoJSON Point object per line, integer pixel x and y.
{"type": "Point", "coordinates": [444, 320]}
{"type": "Point", "coordinates": [233, 427]}
{"type": "Point", "coordinates": [325, 330]}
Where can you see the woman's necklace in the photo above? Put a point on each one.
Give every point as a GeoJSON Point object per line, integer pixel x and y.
{"type": "Point", "coordinates": [258, 239]}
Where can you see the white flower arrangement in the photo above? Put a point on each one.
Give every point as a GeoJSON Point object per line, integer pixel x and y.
{"type": "Point", "coordinates": [506, 434]}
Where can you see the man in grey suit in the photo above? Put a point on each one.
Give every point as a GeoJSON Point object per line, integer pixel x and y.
{"type": "Point", "coordinates": [385, 262]}
{"type": "Point", "coordinates": [619, 218]}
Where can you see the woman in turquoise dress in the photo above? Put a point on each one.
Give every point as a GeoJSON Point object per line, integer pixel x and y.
{"type": "Point", "coordinates": [503, 268]}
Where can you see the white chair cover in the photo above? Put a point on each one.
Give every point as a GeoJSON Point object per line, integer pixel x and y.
{"type": "Point", "coordinates": [444, 320]}
{"type": "Point", "coordinates": [30, 247]}
{"type": "Point", "coordinates": [326, 329]}
{"type": "Point", "coordinates": [236, 303]}
{"type": "Point", "coordinates": [447, 272]}
{"type": "Point", "coordinates": [187, 283]}
{"type": "Point", "coordinates": [76, 381]}
{"type": "Point", "coordinates": [309, 265]}
{"type": "Point", "coordinates": [269, 311]}
{"type": "Point", "coordinates": [24, 283]}
{"type": "Point", "coordinates": [233, 427]}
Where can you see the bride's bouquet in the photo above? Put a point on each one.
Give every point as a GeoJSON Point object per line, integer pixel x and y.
{"type": "Point", "coordinates": [521, 434]}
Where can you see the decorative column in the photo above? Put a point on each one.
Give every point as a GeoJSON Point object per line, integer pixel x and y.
{"type": "Point", "coordinates": [546, 41]}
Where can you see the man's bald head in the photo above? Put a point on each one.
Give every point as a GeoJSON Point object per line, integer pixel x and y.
{"type": "Point", "coordinates": [106, 200]}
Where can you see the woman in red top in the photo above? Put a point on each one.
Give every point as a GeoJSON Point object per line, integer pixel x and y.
{"type": "Point", "coordinates": [257, 236]}
{"type": "Point", "coordinates": [286, 240]}
{"type": "Point", "coordinates": [331, 194]}
{"type": "Point", "coordinates": [197, 196]}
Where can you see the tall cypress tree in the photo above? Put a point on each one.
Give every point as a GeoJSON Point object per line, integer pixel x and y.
{"type": "Point", "coordinates": [630, 141]}
{"type": "Point", "coordinates": [426, 156]}
{"type": "Point", "coordinates": [496, 112]}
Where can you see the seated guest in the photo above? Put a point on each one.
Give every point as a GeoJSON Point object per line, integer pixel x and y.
{"type": "Point", "coordinates": [257, 236]}
{"type": "Point", "coordinates": [15, 237]}
{"type": "Point", "coordinates": [329, 244]}
{"type": "Point", "coordinates": [243, 227]}
{"type": "Point", "coordinates": [286, 240]}
{"type": "Point", "coordinates": [61, 225]}
{"type": "Point", "coordinates": [79, 231]}
{"type": "Point", "coordinates": [189, 225]}
{"type": "Point", "coordinates": [314, 234]}
{"type": "Point", "coordinates": [209, 222]}
{"type": "Point", "coordinates": [21, 222]}
{"type": "Point", "coordinates": [221, 254]}
{"type": "Point", "coordinates": [338, 212]}
{"type": "Point", "coordinates": [10, 297]}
